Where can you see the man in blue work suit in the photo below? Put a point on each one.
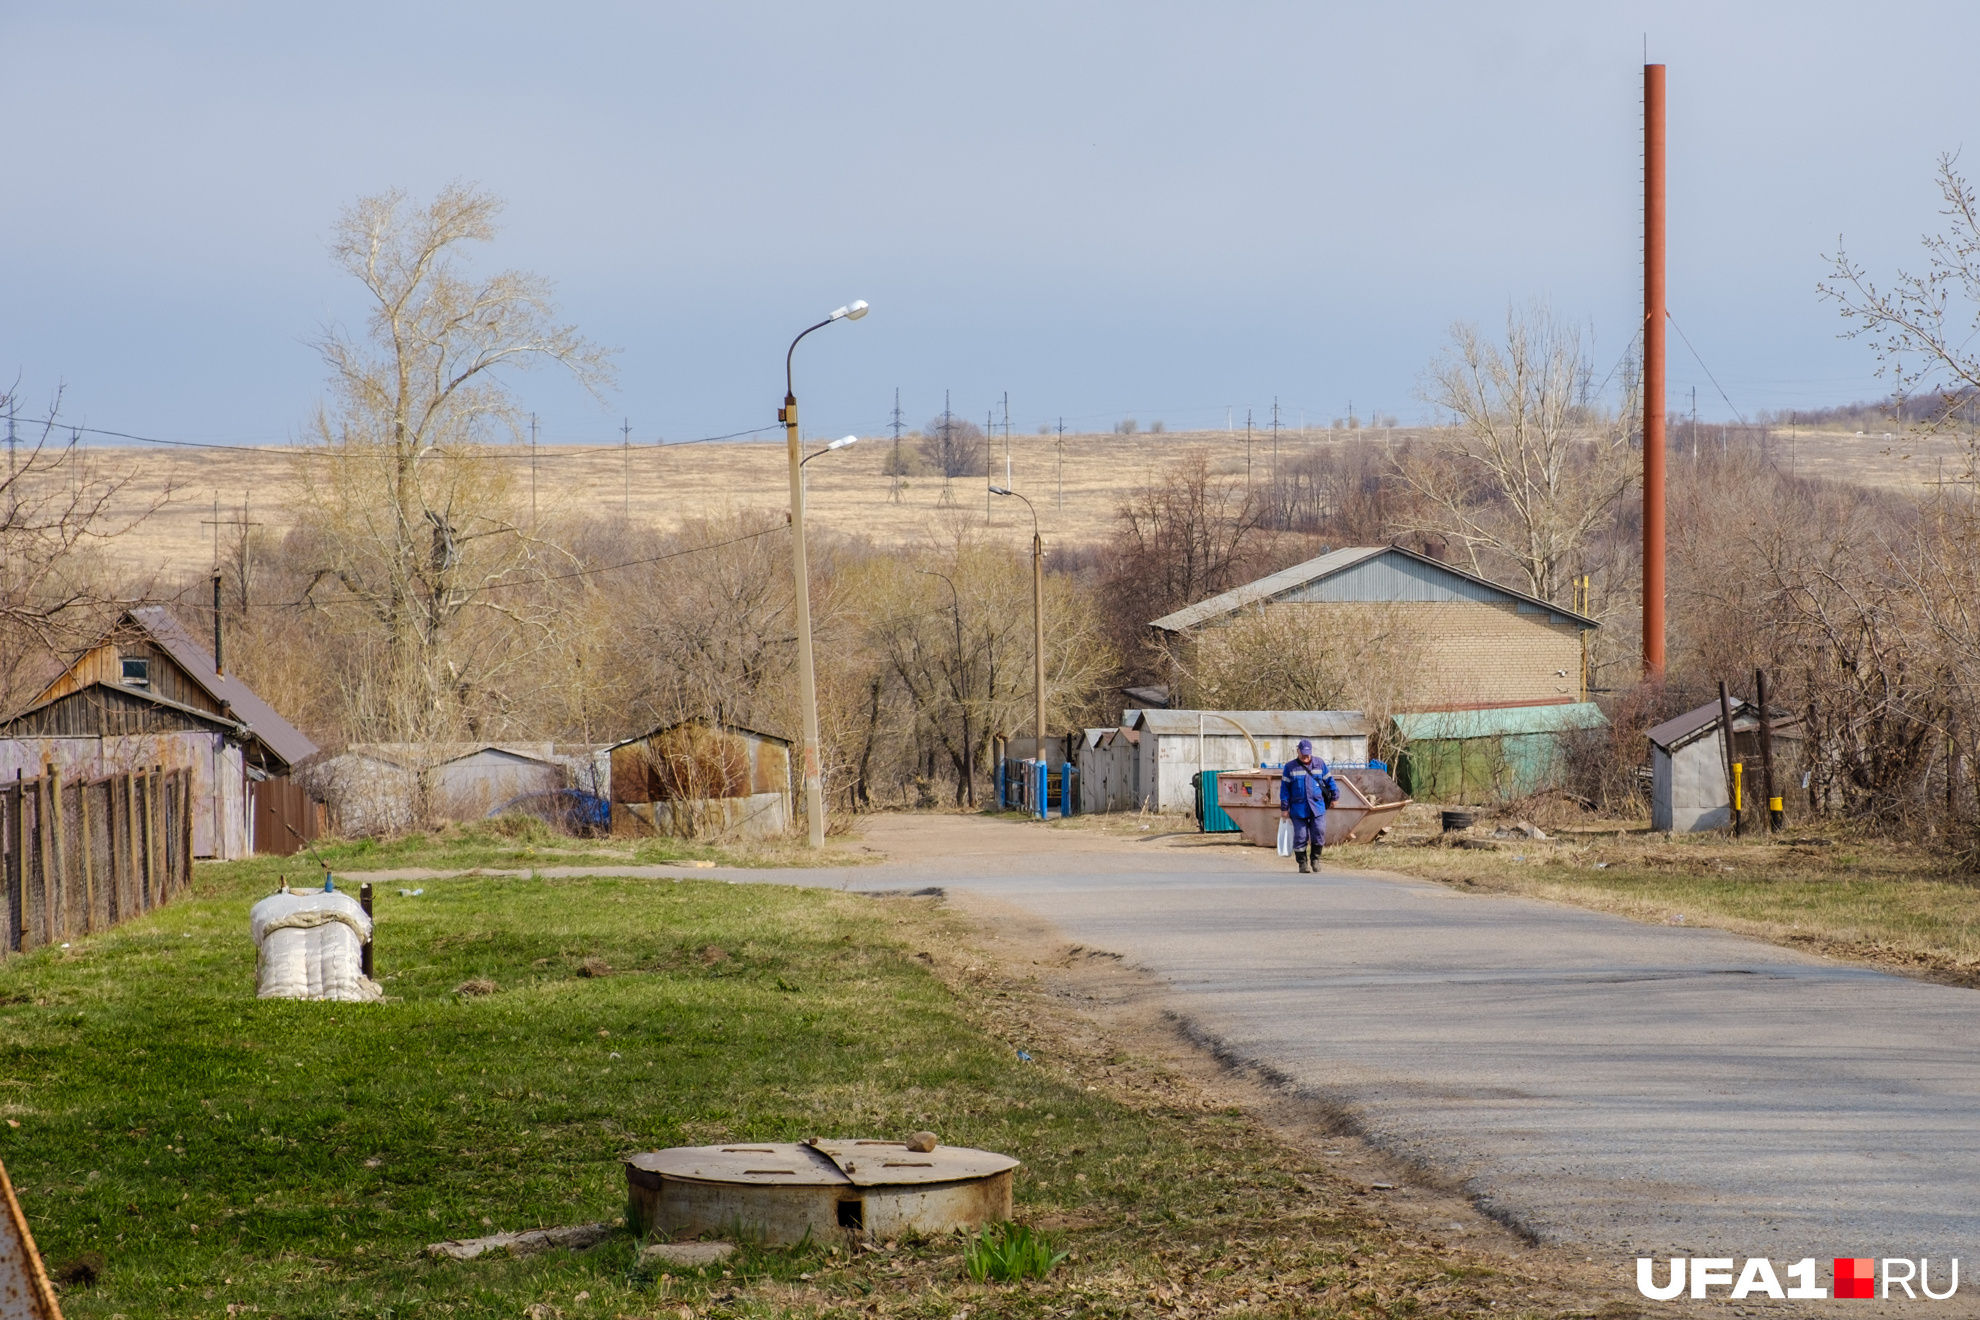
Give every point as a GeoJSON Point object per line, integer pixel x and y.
{"type": "Point", "coordinates": [1305, 789]}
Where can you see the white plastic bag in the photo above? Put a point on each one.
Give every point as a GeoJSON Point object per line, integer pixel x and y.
{"type": "Point", "coordinates": [1285, 837]}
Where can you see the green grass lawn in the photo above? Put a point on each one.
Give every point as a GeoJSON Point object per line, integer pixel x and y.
{"type": "Point", "coordinates": [214, 1148]}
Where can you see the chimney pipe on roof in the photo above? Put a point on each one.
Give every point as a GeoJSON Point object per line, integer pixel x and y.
{"type": "Point", "coordinates": [219, 659]}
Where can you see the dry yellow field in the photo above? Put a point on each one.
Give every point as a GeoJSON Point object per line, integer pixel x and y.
{"type": "Point", "coordinates": [847, 491]}
{"type": "Point", "coordinates": [1075, 486]}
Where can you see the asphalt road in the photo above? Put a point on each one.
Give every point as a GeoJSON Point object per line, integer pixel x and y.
{"type": "Point", "coordinates": [1646, 1089]}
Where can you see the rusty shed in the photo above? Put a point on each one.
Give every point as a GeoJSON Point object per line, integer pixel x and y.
{"type": "Point", "coordinates": [701, 779]}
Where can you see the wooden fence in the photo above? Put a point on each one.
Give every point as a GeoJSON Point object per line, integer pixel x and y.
{"type": "Point", "coordinates": [81, 856]}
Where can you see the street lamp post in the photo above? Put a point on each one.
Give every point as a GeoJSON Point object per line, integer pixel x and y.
{"type": "Point", "coordinates": [1037, 618]}
{"type": "Point", "coordinates": [814, 785]}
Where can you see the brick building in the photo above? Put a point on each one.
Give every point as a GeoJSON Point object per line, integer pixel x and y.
{"type": "Point", "coordinates": [1472, 644]}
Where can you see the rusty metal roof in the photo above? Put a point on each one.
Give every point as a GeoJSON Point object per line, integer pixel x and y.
{"type": "Point", "coordinates": [836, 1162]}
{"type": "Point", "coordinates": [271, 730]}
{"type": "Point", "coordinates": [24, 1290]}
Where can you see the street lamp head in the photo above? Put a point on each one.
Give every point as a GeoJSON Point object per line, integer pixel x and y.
{"type": "Point", "coordinates": [853, 312]}
{"type": "Point", "coordinates": [843, 441]}
{"type": "Point", "coordinates": [999, 490]}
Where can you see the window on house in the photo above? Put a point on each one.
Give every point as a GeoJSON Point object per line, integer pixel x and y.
{"type": "Point", "coordinates": [137, 672]}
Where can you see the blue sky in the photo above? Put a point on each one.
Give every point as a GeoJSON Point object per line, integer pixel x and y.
{"type": "Point", "coordinates": [1105, 210]}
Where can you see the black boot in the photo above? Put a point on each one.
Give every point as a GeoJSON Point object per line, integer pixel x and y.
{"type": "Point", "coordinates": [1299, 854]}
{"type": "Point", "coordinates": [1317, 848]}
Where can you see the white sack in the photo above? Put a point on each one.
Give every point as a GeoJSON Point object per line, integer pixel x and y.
{"type": "Point", "coordinates": [310, 945]}
{"type": "Point", "coordinates": [1285, 837]}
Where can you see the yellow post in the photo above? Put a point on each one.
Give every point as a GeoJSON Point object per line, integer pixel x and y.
{"type": "Point", "coordinates": [1739, 771]}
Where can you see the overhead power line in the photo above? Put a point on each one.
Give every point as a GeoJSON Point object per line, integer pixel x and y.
{"type": "Point", "coordinates": [494, 450]}
{"type": "Point", "coordinates": [1702, 367]}
{"type": "Point", "coordinates": [355, 597]}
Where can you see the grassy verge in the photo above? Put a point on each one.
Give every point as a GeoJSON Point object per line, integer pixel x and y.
{"type": "Point", "coordinates": [218, 1155]}
{"type": "Point", "coordinates": [1877, 900]}
{"type": "Point", "coordinates": [522, 842]}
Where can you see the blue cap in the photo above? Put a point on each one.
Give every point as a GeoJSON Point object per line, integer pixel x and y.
{"type": "Point", "coordinates": [1305, 745]}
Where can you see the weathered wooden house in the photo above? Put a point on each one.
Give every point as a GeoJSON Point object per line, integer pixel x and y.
{"type": "Point", "coordinates": [146, 695]}
{"type": "Point", "coordinates": [700, 780]}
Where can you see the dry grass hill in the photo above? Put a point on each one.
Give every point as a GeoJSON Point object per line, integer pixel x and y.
{"type": "Point", "coordinates": [1076, 485]}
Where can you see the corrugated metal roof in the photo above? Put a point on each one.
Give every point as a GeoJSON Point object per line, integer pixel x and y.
{"type": "Point", "coordinates": [706, 724]}
{"type": "Point", "coordinates": [1257, 723]}
{"type": "Point", "coordinates": [511, 753]}
{"type": "Point", "coordinates": [1682, 728]}
{"type": "Point", "coordinates": [1265, 588]}
{"type": "Point", "coordinates": [263, 724]}
{"type": "Point", "coordinates": [1499, 722]}
{"type": "Point", "coordinates": [1695, 724]}
{"type": "Point", "coordinates": [1368, 573]}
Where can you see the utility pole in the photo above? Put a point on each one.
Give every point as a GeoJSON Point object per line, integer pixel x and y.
{"type": "Point", "coordinates": [245, 521]}
{"type": "Point", "coordinates": [626, 431]}
{"type": "Point", "coordinates": [532, 472]}
{"type": "Point", "coordinates": [1247, 449]}
{"type": "Point", "coordinates": [1278, 491]}
{"type": "Point", "coordinates": [1062, 465]}
{"type": "Point", "coordinates": [13, 469]}
{"type": "Point", "coordinates": [989, 457]}
{"type": "Point", "coordinates": [948, 499]}
{"type": "Point", "coordinates": [894, 494]}
{"type": "Point", "coordinates": [1007, 437]}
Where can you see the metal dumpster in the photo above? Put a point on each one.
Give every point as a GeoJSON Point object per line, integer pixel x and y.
{"type": "Point", "coordinates": [1250, 798]}
{"type": "Point", "coordinates": [1369, 802]}
{"type": "Point", "coordinates": [1210, 817]}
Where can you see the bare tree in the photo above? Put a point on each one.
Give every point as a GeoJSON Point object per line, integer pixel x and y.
{"type": "Point", "coordinates": [413, 521]}
{"type": "Point", "coordinates": [952, 625]}
{"type": "Point", "coordinates": [1923, 326]}
{"type": "Point", "coordinates": [58, 508]}
{"type": "Point", "coordinates": [1532, 467]}
{"type": "Point", "coordinates": [1186, 535]}
{"type": "Point", "coordinates": [953, 447]}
